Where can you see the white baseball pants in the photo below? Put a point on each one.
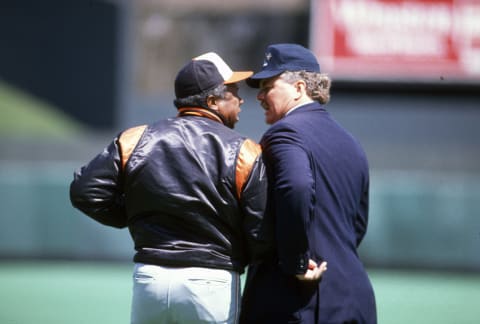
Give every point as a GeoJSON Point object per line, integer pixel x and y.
{"type": "Point", "coordinates": [184, 295]}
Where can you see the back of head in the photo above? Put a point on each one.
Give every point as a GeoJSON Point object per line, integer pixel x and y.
{"type": "Point", "coordinates": [203, 74]}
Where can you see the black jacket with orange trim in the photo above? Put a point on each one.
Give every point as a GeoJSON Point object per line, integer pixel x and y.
{"type": "Point", "coordinates": [191, 191]}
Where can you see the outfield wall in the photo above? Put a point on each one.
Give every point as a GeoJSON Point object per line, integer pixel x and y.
{"type": "Point", "coordinates": [417, 219]}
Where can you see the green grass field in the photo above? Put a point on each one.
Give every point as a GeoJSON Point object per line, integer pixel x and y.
{"type": "Point", "coordinates": [80, 292]}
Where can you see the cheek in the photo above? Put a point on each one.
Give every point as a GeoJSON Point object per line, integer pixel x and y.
{"type": "Point", "coordinates": [274, 103]}
{"type": "Point", "coordinates": [234, 110]}
{"type": "Point", "coordinates": [235, 107]}
{"type": "Point", "coordinates": [275, 97]}
{"type": "Point", "coordinates": [267, 100]}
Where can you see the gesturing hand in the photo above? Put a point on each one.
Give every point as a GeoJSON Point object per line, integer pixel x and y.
{"type": "Point", "coordinates": [314, 271]}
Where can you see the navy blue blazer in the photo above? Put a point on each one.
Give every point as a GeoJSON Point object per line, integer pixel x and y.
{"type": "Point", "coordinates": [318, 201]}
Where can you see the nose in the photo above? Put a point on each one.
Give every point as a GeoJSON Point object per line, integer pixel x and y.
{"type": "Point", "coordinates": [260, 95]}
{"type": "Point", "coordinates": [241, 100]}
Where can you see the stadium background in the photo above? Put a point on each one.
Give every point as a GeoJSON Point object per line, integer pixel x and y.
{"type": "Point", "coordinates": [73, 74]}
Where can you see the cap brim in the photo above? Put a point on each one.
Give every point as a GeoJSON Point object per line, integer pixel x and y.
{"type": "Point", "coordinates": [238, 76]}
{"type": "Point", "coordinates": [254, 81]}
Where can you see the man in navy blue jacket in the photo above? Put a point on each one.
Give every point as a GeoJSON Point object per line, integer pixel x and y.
{"type": "Point", "coordinates": [318, 201]}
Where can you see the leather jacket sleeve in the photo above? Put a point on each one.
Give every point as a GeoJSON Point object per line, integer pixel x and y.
{"type": "Point", "coordinates": [257, 226]}
{"type": "Point", "coordinates": [97, 189]}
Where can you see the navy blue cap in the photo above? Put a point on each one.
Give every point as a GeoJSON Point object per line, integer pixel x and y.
{"type": "Point", "coordinates": [284, 57]}
{"type": "Point", "coordinates": [196, 77]}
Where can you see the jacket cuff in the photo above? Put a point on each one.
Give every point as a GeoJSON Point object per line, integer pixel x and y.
{"type": "Point", "coordinates": [295, 265]}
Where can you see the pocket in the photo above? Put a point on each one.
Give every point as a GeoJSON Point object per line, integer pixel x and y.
{"type": "Point", "coordinates": [211, 282]}
{"type": "Point", "coordinates": [143, 277]}
{"type": "Point", "coordinates": [144, 273]}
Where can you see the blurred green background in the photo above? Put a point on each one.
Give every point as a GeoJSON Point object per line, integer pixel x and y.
{"type": "Point", "coordinates": [92, 80]}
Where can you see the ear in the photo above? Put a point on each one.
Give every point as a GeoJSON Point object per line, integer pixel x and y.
{"type": "Point", "coordinates": [212, 102]}
{"type": "Point", "coordinates": [301, 88]}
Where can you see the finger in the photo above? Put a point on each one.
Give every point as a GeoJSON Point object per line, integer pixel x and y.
{"type": "Point", "coordinates": [323, 266]}
{"type": "Point", "coordinates": [318, 272]}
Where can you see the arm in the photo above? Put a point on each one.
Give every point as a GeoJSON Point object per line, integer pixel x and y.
{"type": "Point", "coordinates": [96, 189]}
{"type": "Point", "coordinates": [258, 225]}
{"type": "Point", "coordinates": [251, 181]}
{"type": "Point", "coordinates": [292, 192]}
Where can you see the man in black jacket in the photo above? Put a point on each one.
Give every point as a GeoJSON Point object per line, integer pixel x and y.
{"type": "Point", "coordinates": [192, 193]}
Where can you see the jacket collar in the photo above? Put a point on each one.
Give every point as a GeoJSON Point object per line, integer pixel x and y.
{"type": "Point", "coordinates": [306, 107]}
{"type": "Point", "coordinates": [298, 106]}
{"type": "Point", "coordinates": [201, 112]}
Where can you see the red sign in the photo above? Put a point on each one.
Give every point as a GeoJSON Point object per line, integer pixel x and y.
{"type": "Point", "coordinates": [397, 39]}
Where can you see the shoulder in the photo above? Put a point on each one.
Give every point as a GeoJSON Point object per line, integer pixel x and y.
{"type": "Point", "coordinates": [249, 149]}
{"type": "Point", "coordinates": [299, 122]}
{"type": "Point", "coordinates": [130, 136]}
{"type": "Point", "coordinates": [283, 131]}
{"type": "Point", "coordinates": [133, 132]}
{"type": "Point", "coordinates": [128, 140]}
{"type": "Point", "coordinates": [248, 155]}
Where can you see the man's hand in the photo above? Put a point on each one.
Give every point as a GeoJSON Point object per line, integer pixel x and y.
{"type": "Point", "coordinates": [314, 271]}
